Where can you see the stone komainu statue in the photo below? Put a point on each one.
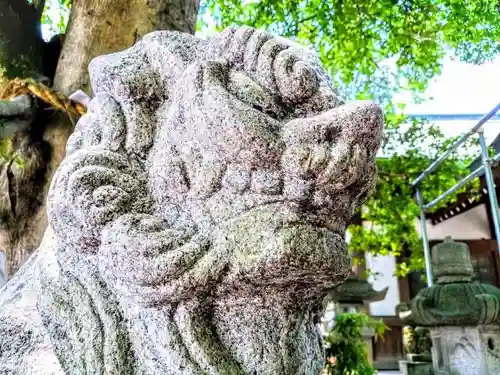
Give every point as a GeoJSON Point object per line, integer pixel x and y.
{"type": "Point", "coordinates": [198, 218]}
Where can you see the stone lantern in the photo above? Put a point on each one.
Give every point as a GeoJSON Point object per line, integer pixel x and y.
{"type": "Point", "coordinates": [353, 296]}
{"type": "Point", "coordinates": [463, 316]}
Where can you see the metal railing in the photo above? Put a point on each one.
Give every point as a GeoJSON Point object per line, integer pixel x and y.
{"type": "Point", "coordinates": [490, 184]}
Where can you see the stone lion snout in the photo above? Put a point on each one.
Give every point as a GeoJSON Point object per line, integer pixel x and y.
{"type": "Point", "coordinates": [336, 148]}
{"type": "Point", "coordinates": [359, 121]}
{"type": "Point", "coordinates": [364, 121]}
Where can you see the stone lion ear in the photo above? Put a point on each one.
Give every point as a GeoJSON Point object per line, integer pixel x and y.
{"type": "Point", "coordinates": [91, 189]}
{"type": "Point", "coordinates": [130, 79]}
{"type": "Point", "coordinates": [170, 53]}
{"type": "Point", "coordinates": [102, 127]}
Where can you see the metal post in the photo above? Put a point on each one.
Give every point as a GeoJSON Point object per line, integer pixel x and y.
{"type": "Point", "coordinates": [455, 145]}
{"type": "Point", "coordinates": [490, 184]}
{"type": "Point", "coordinates": [453, 189]}
{"type": "Point", "coordinates": [425, 238]}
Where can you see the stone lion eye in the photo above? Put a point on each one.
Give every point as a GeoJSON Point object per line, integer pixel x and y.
{"type": "Point", "coordinates": [256, 96]}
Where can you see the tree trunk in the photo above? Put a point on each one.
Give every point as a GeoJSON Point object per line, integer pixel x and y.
{"type": "Point", "coordinates": [96, 27]}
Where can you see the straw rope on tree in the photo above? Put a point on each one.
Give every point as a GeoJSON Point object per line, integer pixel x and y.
{"type": "Point", "coordinates": [18, 87]}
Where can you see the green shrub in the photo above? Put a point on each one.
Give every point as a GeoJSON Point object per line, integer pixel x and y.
{"type": "Point", "coordinates": [346, 351]}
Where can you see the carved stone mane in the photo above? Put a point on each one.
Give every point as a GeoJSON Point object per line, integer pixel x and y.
{"type": "Point", "coordinates": [199, 215]}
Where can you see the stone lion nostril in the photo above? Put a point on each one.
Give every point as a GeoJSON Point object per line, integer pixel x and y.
{"type": "Point", "coordinates": [331, 133]}
{"type": "Point", "coordinates": [236, 178]}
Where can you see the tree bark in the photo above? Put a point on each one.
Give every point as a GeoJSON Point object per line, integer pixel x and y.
{"type": "Point", "coordinates": [96, 27]}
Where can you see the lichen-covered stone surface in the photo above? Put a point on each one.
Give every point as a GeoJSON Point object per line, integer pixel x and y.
{"type": "Point", "coordinates": [355, 290]}
{"type": "Point", "coordinates": [197, 221]}
{"type": "Point", "coordinates": [466, 350]}
{"type": "Point", "coordinates": [454, 299]}
{"type": "Point", "coordinates": [462, 315]}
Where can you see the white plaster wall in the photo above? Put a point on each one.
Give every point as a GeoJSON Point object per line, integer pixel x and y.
{"type": "Point", "coordinates": [383, 266]}
{"type": "Point", "coordinates": [470, 225]}
{"type": "Point", "coordinates": [328, 318]}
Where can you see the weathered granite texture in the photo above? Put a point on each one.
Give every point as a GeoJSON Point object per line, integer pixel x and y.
{"type": "Point", "coordinates": [473, 350]}
{"type": "Point", "coordinates": [454, 299]}
{"type": "Point", "coordinates": [197, 221]}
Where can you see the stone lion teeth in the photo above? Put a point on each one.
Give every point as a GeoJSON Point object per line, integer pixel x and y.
{"type": "Point", "coordinates": [319, 157]}
{"type": "Point", "coordinates": [237, 178]}
{"type": "Point", "coordinates": [266, 182]}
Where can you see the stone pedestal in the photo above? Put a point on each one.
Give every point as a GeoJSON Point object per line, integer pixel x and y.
{"type": "Point", "coordinates": [413, 367]}
{"type": "Point", "coordinates": [368, 335]}
{"type": "Point", "coordinates": [466, 350]}
{"type": "Point", "coordinates": [463, 316]}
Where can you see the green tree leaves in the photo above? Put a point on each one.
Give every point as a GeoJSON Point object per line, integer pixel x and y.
{"type": "Point", "coordinates": [346, 351]}
{"type": "Point", "coordinates": [55, 16]}
{"type": "Point", "coordinates": [374, 49]}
